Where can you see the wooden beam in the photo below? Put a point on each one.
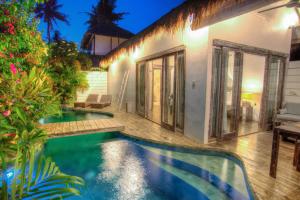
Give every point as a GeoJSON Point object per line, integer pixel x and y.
{"type": "Point", "coordinates": [94, 44]}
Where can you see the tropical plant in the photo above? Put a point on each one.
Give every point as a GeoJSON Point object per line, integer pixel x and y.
{"type": "Point", "coordinates": [104, 12]}
{"type": "Point", "coordinates": [49, 12]}
{"type": "Point", "coordinates": [57, 36]}
{"type": "Point", "coordinates": [26, 95]}
{"type": "Point", "coordinates": [85, 61]}
{"type": "Point", "coordinates": [65, 70]}
{"type": "Point", "coordinates": [20, 43]}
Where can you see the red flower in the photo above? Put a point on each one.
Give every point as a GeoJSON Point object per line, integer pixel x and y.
{"type": "Point", "coordinates": [9, 28]}
{"type": "Point", "coordinates": [6, 12]}
{"type": "Point", "coordinates": [11, 55]}
{"type": "Point", "coordinates": [6, 113]}
{"type": "Point", "coordinates": [13, 69]}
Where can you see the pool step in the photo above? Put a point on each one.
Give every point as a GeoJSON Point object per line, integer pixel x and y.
{"type": "Point", "coordinates": [81, 127]}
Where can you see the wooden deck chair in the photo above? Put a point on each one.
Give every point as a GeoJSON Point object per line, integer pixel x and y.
{"type": "Point", "coordinates": [92, 98]}
{"type": "Point", "coordinates": [104, 101]}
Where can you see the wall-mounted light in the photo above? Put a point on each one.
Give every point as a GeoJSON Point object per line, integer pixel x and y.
{"type": "Point", "coordinates": [135, 54]}
{"type": "Point", "coordinates": [290, 19]}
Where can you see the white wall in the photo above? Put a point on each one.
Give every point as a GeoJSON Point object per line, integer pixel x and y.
{"type": "Point", "coordinates": [292, 83]}
{"type": "Point", "coordinates": [105, 44]}
{"type": "Point", "coordinates": [97, 85]}
{"type": "Point", "coordinates": [250, 29]}
{"type": "Point", "coordinates": [196, 61]}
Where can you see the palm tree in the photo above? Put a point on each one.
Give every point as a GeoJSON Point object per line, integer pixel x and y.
{"type": "Point", "coordinates": [104, 12]}
{"type": "Point", "coordinates": [49, 12]}
{"type": "Point", "coordinates": [57, 36]}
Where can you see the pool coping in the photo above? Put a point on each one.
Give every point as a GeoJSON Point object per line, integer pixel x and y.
{"type": "Point", "coordinates": [91, 110]}
{"type": "Point", "coordinates": [83, 126]}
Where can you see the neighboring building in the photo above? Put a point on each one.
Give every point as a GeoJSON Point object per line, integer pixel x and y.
{"type": "Point", "coordinates": [103, 39]}
{"type": "Point", "coordinates": [209, 69]}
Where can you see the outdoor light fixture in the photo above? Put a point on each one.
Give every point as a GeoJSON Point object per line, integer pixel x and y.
{"type": "Point", "coordinates": [135, 53]}
{"type": "Point", "coordinates": [291, 19]}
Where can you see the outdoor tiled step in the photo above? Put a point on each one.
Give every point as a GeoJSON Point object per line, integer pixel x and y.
{"type": "Point", "coordinates": [85, 126]}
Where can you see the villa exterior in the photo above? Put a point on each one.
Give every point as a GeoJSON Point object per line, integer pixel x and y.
{"type": "Point", "coordinates": [103, 39]}
{"type": "Point", "coordinates": [207, 69]}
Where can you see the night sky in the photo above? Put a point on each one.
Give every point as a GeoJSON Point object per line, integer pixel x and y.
{"type": "Point", "coordinates": [141, 13]}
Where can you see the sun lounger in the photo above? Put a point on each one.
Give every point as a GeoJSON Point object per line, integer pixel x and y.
{"type": "Point", "coordinates": [104, 101]}
{"type": "Point", "coordinates": [92, 98]}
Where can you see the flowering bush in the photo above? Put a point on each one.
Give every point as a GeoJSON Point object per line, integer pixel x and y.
{"type": "Point", "coordinates": [21, 43]}
{"type": "Point", "coordinates": [26, 95]}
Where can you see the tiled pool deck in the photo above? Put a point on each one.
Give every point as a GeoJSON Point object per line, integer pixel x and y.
{"type": "Point", "coordinates": [254, 150]}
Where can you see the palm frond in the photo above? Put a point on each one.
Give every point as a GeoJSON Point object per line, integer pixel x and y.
{"type": "Point", "coordinates": [44, 179]}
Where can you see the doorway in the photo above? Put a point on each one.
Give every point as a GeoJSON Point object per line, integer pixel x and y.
{"type": "Point", "coordinates": [160, 90]}
{"type": "Point", "coordinates": [246, 91]}
{"type": "Point", "coordinates": [154, 87]}
{"type": "Point", "coordinates": [251, 94]}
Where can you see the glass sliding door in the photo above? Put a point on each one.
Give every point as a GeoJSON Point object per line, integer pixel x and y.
{"type": "Point", "coordinates": [160, 89]}
{"type": "Point", "coordinates": [232, 66]}
{"type": "Point", "coordinates": [153, 90]}
{"type": "Point", "coordinates": [226, 93]}
{"type": "Point", "coordinates": [273, 87]}
{"type": "Point", "coordinates": [168, 110]}
{"type": "Point", "coordinates": [140, 96]}
{"type": "Point", "coordinates": [252, 90]}
{"type": "Point", "coordinates": [180, 88]}
{"type": "Point", "coordinates": [246, 91]}
{"type": "Point", "coordinates": [215, 92]}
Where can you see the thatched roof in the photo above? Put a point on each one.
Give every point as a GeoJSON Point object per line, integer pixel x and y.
{"type": "Point", "coordinates": [106, 29]}
{"type": "Point", "coordinates": [204, 12]}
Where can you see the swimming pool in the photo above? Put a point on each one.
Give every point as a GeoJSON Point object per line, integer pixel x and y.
{"type": "Point", "coordinates": [118, 167]}
{"type": "Point", "coordinates": [71, 115]}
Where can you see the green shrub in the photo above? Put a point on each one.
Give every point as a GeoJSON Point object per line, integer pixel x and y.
{"type": "Point", "coordinates": [26, 95]}
{"type": "Point", "coordinates": [65, 70]}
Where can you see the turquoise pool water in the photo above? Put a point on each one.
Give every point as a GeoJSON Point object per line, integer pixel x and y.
{"type": "Point", "coordinates": [117, 167]}
{"type": "Point", "coordinates": [70, 115]}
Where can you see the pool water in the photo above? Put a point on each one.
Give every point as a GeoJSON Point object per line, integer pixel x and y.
{"type": "Point", "coordinates": [117, 167]}
{"type": "Point", "coordinates": [70, 115]}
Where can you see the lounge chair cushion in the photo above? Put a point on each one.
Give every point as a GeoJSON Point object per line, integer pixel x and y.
{"type": "Point", "coordinates": [293, 108]}
{"type": "Point", "coordinates": [288, 117]}
{"type": "Point", "coordinates": [105, 100]}
{"type": "Point", "coordinates": [92, 98]}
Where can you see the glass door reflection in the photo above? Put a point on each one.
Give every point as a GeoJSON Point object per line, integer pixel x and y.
{"type": "Point", "coordinates": [168, 111]}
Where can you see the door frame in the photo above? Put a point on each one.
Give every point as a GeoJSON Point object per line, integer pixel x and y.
{"type": "Point", "coordinates": [163, 55]}
{"type": "Point", "coordinates": [137, 89]}
{"type": "Point", "coordinates": [220, 94]}
{"type": "Point", "coordinates": [230, 46]}
{"type": "Point", "coordinates": [164, 70]}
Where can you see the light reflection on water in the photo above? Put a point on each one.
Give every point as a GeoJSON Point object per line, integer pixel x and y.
{"type": "Point", "coordinates": [128, 171]}
{"type": "Point", "coordinates": [118, 168]}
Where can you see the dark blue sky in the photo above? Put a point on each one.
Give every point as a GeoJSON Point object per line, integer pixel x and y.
{"type": "Point", "coordinates": [141, 14]}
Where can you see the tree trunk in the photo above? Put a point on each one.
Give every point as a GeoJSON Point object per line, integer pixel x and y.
{"type": "Point", "coordinates": [48, 32]}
